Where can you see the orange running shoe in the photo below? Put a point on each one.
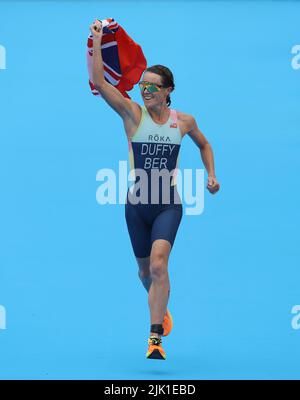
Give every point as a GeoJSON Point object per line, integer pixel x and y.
{"type": "Point", "coordinates": [167, 323]}
{"type": "Point", "coordinates": [155, 350]}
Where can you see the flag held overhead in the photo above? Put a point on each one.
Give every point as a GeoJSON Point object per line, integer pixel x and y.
{"type": "Point", "coordinates": [123, 59]}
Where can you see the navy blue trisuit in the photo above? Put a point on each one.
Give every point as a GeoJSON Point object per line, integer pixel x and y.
{"type": "Point", "coordinates": [153, 207]}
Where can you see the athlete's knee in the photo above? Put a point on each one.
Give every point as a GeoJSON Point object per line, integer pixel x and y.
{"type": "Point", "coordinates": [144, 273]}
{"type": "Point", "coordinates": [158, 266]}
{"type": "Point", "coordinates": [143, 264]}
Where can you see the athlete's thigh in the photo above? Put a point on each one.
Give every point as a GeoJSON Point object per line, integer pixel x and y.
{"type": "Point", "coordinates": [166, 224]}
{"type": "Point", "coordinates": [139, 232]}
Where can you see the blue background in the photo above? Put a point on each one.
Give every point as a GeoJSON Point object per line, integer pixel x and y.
{"type": "Point", "coordinates": [68, 277]}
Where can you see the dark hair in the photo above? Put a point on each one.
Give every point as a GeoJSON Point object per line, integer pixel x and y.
{"type": "Point", "coordinates": [167, 77]}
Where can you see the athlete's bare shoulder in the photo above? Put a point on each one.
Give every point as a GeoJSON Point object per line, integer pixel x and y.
{"type": "Point", "coordinates": [185, 122]}
{"type": "Point", "coordinates": [190, 127]}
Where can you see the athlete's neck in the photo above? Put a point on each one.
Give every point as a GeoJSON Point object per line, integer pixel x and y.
{"type": "Point", "coordinates": [159, 113]}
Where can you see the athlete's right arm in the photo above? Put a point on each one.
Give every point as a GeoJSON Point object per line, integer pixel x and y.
{"type": "Point", "coordinates": [109, 93]}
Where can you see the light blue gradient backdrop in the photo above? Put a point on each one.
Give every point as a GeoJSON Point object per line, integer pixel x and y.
{"type": "Point", "coordinates": [68, 278]}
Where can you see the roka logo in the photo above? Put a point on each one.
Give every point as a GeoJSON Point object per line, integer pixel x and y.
{"type": "Point", "coordinates": [159, 138]}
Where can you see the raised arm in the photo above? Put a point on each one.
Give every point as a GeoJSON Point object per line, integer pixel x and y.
{"type": "Point", "coordinates": [109, 93]}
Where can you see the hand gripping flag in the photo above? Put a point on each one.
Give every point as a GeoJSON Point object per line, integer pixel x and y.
{"type": "Point", "coordinates": [123, 59]}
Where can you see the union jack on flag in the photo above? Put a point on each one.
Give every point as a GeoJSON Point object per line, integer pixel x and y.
{"type": "Point", "coordinates": [123, 59]}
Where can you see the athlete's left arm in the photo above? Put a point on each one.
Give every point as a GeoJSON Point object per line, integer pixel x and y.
{"type": "Point", "coordinates": [206, 152]}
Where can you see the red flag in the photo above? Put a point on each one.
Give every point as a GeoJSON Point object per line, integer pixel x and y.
{"type": "Point", "coordinates": [123, 59]}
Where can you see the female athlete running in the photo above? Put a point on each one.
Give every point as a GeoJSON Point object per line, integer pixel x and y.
{"type": "Point", "coordinates": [153, 209]}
